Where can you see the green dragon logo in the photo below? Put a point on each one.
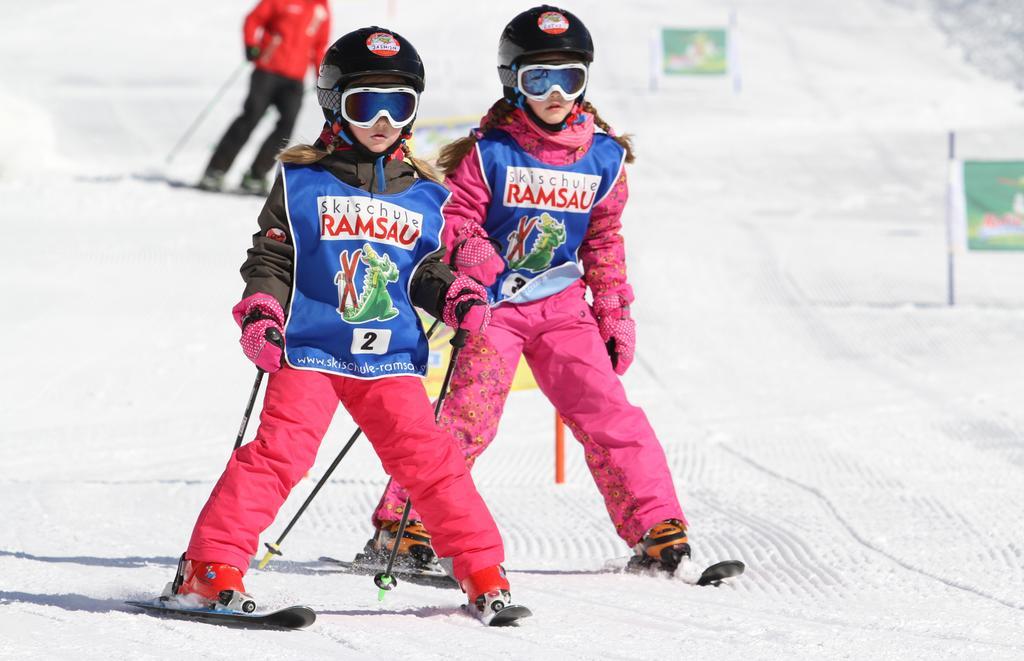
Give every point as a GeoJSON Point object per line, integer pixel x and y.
{"type": "Point", "coordinates": [374, 302]}
{"type": "Point", "coordinates": [552, 235]}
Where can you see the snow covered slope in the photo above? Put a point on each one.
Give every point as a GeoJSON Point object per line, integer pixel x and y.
{"type": "Point", "coordinates": [828, 419]}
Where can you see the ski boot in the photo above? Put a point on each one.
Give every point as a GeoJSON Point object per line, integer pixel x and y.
{"type": "Point", "coordinates": [253, 185]}
{"type": "Point", "coordinates": [662, 548]}
{"type": "Point", "coordinates": [212, 181]}
{"type": "Point", "coordinates": [490, 600]}
{"type": "Point", "coordinates": [213, 585]}
{"type": "Point", "coordinates": [414, 550]}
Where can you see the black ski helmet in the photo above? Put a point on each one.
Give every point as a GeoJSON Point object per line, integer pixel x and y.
{"type": "Point", "coordinates": [363, 52]}
{"type": "Point", "coordinates": [543, 29]}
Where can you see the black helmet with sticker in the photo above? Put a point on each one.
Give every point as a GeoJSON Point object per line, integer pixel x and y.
{"type": "Point", "coordinates": [364, 52]}
{"type": "Point", "coordinates": [543, 29]}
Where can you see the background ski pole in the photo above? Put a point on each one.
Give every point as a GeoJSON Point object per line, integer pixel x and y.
{"type": "Point", "coordinates": [274, 548]}
{"type": "Point", "coordinates": [205, 111]}
{"type": "Point", "coordinates": [384, 580]}
{"type": "Point", "coordinates": [273, 336]}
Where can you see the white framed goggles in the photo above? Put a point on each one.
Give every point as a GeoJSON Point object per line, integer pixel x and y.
{"type": "Point", "coordinates": [538, 81]}
{"type": "Point", "coordinates": [363, 106]}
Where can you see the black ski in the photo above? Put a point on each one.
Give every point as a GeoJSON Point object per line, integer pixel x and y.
{"type": "Point", "coordinates": [718, 572]}
{"type": "Point", "coordinates": [503, 618]}
{"type": "Point", "coordinates": [510, 615]}
{"type": "Point", "coordinates": [366, 566]}
{"type": "Point", "coordinates": [293, 617]}
{"type": "Point", "coordinates": [712, 575]}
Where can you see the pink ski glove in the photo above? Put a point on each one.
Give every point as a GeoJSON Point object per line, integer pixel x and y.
{"type": "Point", "coordinates": [617, 330]}
{"type": "Point", "coordinates": [465, 305]}
{"type": "Point", "coordinates": [255, 314]}
{"type": "Point", "coordinates": [475, 256]}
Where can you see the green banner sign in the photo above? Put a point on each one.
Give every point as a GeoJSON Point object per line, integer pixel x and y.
{"type": "Point", "coordinates": [994, 204]}
{"type": "Point", "coordinates": [694, 52]}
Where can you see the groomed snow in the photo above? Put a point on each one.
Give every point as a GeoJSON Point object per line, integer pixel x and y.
{"type": "Point", "coordinates": [829, 420]}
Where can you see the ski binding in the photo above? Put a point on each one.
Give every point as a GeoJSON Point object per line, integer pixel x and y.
{"type": "Point", "coordinates": [494, 610]}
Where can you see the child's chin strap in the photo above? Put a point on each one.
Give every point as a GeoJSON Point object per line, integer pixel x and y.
{"type": "Point", "coordinates": [378, 173]}
{"type": "Point", "coordinates": [575, 116]}
{"type": "Point", "coordinates": [334, 137]}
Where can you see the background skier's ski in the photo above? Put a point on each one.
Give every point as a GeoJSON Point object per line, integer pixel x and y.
{"type": "Point", "coordinates": [156, 177]}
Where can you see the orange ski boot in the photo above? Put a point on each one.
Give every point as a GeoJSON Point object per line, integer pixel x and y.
{"type": "Point", "coordinates": [414, 550]}
{"type": "Point", "coordinates": [214, 584]}
{"type": "Point", "coordinates": [663, 547]}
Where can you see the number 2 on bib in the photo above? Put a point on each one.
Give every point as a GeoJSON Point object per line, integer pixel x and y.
{"type": "Point", "coordinates": [371, 340]}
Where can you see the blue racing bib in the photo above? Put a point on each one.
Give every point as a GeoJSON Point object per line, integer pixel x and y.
{"type": "Point", "coordinates": [540, 213]}
{"type": "Point", "coordinates": [351, 312]}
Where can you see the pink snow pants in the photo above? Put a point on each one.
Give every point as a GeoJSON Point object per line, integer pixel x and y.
{"type": "Point", "coordinates": [396, 417]}
{"type": "Point", "coordinates": [559, 337]}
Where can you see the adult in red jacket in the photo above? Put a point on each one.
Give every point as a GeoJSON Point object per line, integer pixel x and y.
{"type": "Point", "coordinates": [282, 38]}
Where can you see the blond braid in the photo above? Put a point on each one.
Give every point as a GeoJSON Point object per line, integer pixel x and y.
{"type": "Point", "coordinates": [302, 155]}
{"type": "Point", "coordinates": [453, 153]}
{"type": "Point", "coordinates": [626, 141]}
{"type": "Point", "coordinates": [308, 154]}
{"type": "Point", "coordinates": [423, 169]}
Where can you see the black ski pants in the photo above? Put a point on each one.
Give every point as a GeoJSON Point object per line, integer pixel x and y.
{"type": "Point", "coordinates": [265, 89]}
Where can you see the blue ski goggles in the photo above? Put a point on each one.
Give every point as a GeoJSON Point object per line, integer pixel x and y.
{"type": "Point", "coordinates": [363, 106]}
{"type": "Point", "coordinates": [538, 81]}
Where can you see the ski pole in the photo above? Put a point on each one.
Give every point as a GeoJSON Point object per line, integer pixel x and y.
{"type": "Point", "coordinates": [274, 548]}
{"type": "Point", "coordinates": [384, 580]}
{"type": "Point", "coordinates": [274, 337]}
{"type": "Point", "coordinates": [205, 111]}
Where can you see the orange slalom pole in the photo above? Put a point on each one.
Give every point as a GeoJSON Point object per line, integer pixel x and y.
{"type": "Point", "coordinates": [559, 450]}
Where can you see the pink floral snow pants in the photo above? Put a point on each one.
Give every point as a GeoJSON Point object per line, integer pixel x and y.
{"type": "Point", "coordinates": [559, 337]}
